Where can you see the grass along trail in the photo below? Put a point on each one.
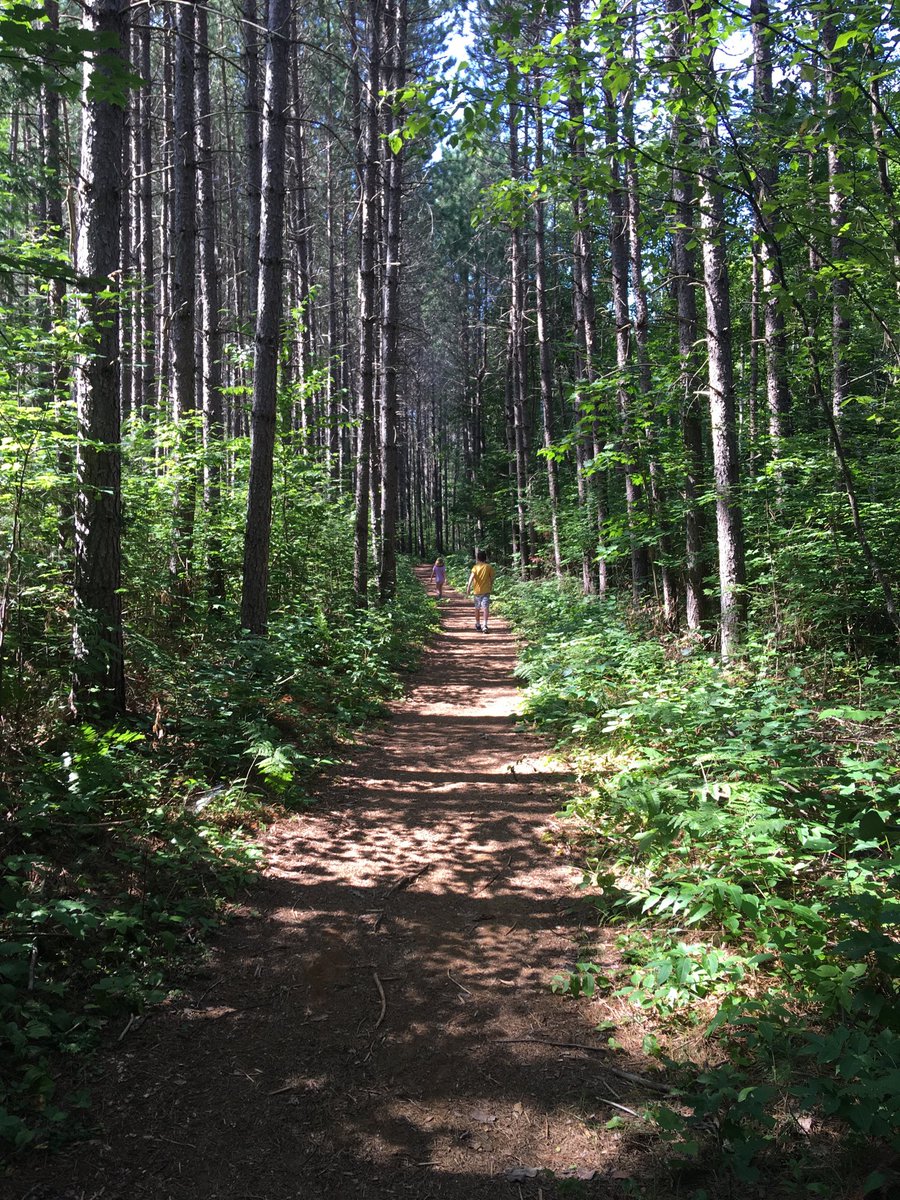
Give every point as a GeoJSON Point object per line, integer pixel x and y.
{"type": "Point", "coordinates": [364, 1030]}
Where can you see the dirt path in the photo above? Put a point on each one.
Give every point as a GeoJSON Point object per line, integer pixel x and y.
{"type": "Point", "coordinates": [350, 1037]}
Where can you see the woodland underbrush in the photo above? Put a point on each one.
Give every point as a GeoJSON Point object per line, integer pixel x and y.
{"type": "Point", "coordinates": [124, 847]}
{"type": "Point", "coordinates": [739, 831]}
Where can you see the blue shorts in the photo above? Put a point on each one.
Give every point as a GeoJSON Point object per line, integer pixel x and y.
{"type": "Point", "coordinates": [482, 601]}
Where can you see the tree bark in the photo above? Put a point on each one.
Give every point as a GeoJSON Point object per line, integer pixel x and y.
{"type": "Point", "coordinates": [777, 394]}
{"type": "Point", "coordinates": [183, 253]}
{"type": "Point", "coordinates": [685, 286]}
{"type": "Point", "coordinates": [837, 206]}
{"type": "Point", "coordinates": [146, 272]}
{"type": "Point", "coordinates": [729, 517]}
{"type": "Point", "coordinates": [390, 322]}
{"type": "Point", "coordinates": [98, 680]}
{"type": "Point", "coordinates": [645, 386]}
{"type": "Point", "coordinates": [253, 150]}
{"type": "Point", "coordinates": [210, 308]}
{"type": "Point", "coordinates": [591, 492]}
{"type": "Point", "coordinates": [517, 346]}
{"type": "Point", "coordinates": [368, 317]}
{"type": "Point", "coordinates": [57, 375]}
{"type": "Point", "coordinates": [257, 539]}
{"type": "Point", "coordinates": [545, 350]}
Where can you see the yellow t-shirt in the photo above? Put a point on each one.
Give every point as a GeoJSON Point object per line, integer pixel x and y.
{"type": "Point", "coordinates": [482, 579]}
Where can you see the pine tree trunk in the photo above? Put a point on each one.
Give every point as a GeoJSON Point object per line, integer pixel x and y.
{"type": "Point", "coordinates": [777, 394]}
{"type": "Point", "coordinates": [167, 137]}
{"type": "Point", "coordinates": [57, 380]}
{"type": "Point", "coordinates": [183, 251]}
{"type": "Point", "coordinates": [255, 594]}
{"type": "Point", "coordinates": [367, 295]}
{"type": "Point", "coordinates": [685, 290]}
{"type": "Point", "coordinates": [390, 321]}
{"type": "Point", "coordinates": [146, 271]}
{"type": "Point", "coordinates": [729, 518]}
{"type": "Point", "coordinates": [618, 255]}
{"type": "Point", "coordinates": [210, 306]}
{"type": "Point", "coordinates": [837, 205]}
{"type": "Point", "coordinates": [517, 353]}
{"type": "Point", "coordinates": [591, 492]}
{"type": "Point", "coordinates": [98, 680]}
{"type": "Point", "coordinates": [253, 151]}
{"type": "Point", "coordinates": [545, 350]}
{"type": "Point", "coordinates": [644, 379]}
{"type": "Point", "coordinates": [333, 457]}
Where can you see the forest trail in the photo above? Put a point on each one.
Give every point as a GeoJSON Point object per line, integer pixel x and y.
{"type": "Point", "coordinates": [349, 1035]}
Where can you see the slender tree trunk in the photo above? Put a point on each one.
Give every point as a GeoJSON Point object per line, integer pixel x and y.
{"type": "Point", "coordinates": [333, 383]}
{"type": "Point", "coordinates": [684, 237]}
{"type": "Point", "coordinates": [517, 352]}
{"type": "Point", "coordinates": [146, 258]}
{"type": "Point", "coordinates": [164, 341]}
{"type": "Point", "coordinates": [125, 274]}
{"type": "Point", "coordinates": [303, 257]}
{"type": "Point", "coordinates": [644, 377]}
{"type": "Point", "coordinates": [367, 296]}
{"type": "Point", "coordinates": [210, 309]}
{"type": "Point", "coordinates": [590, 492]}
{"type": "Point", "coordinates": [777, 394]}
{"type": "Point", "coordinates": [837, 205]}
{"type": "Point", "coordinates": [99, 669]}
{"type": "Point", "coordinates": [884, 178]}
{"type": "Point", "coordinates": [618, 254]}
{"type": "Point", "coordinates": [253, 151]}
{"type": "Point", "coordinates": [183, 251]}
{"type": "Point", "coordinates": [751, 439]}
{"type": "Point", "coordinates": [544, 346]}
{"type": "Point", "coordinates": [57, 385]}
{"type": "Point", "coordinates": [729, 518]}
{"type": "Point", "coordinates": [390, 322]}
{"type": "Point", "coordinates": [255, 594]}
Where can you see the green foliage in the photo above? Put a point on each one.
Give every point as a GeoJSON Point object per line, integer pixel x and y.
{"type": "Point", "coordinates": [107, 871]}
{"type": "Point", "coordinates": [124, 846]}
{"type": "Point", "coordinates": [741, 824]}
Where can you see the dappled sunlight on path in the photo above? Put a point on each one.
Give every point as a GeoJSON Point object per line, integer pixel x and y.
{"type": "Point", "coordinates": [362, 1034]}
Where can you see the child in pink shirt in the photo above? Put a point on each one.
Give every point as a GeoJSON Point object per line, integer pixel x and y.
{"type": "Point", "coordinates": [439, 575]}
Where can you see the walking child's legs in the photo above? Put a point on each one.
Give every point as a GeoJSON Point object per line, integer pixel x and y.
{"type": "Point", "coordinates": [481, 612]}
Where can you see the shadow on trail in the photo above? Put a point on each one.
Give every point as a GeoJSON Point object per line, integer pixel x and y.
{"type": "Point", "coordinates": [365, 1032]}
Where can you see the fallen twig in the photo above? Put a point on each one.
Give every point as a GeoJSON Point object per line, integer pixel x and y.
{"type": "Point", "coordinates": [383, 1000]}
{"type": "Point", "coordinates": [640, 1080]}
{"type": "Point", "coordinates": [405, 881]}
{"type": "Point", "coordinates": [621, 1107]}
{"type": "Point", "coordinates": [458, 984]}
{"type": "Point", "coordinates": [212, 987]}
{"type": "Point", "coordinates": [494, 878]}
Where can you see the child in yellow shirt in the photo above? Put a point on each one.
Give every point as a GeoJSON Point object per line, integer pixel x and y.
{"type": "Point", "coordinates": [481, 581]}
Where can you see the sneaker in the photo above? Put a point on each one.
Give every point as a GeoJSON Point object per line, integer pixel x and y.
{"type": "Point", "coordinates": [478, 629]}
{"type": "Point", "coordinates": [485, 629]}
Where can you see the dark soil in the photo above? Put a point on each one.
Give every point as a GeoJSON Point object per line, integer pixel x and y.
{"type": "Point", "coordinates": [359, 1032]}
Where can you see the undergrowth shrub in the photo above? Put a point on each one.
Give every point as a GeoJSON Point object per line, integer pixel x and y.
{"type": "Point", "coordinates": [740, 824]}
{"type": "Point", "coordinates": [123, 847]}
